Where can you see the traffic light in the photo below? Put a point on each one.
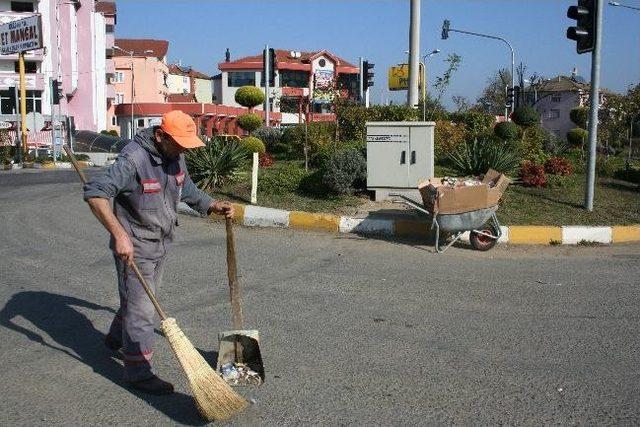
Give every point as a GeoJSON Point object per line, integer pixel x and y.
{"type": "Point", "coordinates": [272, 65]}
{"type": "Point", "coordinates": [584, 33]}
{"type": "Point", "coordinates": [510, 96]}
{"type": "Point", "coordinates": [56, 92]}
{"type": "Point", "coordinates": [445, 29]}
{"type": "Point", "coordinates": [516, 94]}
{"type": "Point", "coordinates": [366, 74]}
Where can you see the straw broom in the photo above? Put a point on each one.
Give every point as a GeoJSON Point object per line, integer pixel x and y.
{"type": "Point", "coordinates": [214, 398]}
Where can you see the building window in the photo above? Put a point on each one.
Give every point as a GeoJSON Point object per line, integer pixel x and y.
{"type": "Point", "coordinates": [114, 121]}
{"type": "Point", "coordinates": [554, 114]}
{"type": "Point", "coordinates": [242, 78]}
{"type": "Point", "coordinates": [322, 62]}
{"type": "Point", "coordinates": [30, 67]}
{"type": "Point", "coordinates": [7, 102]}
{"type": "Point", "coordinates": [290, 78]}
{"type": "Point", "coordinates": [109, 28]}
{"type": "Point", "coordinates": [556, 97]}
{"type": "Point", "coordinates": [350, 83]}
{"type": "Point", "coordinates": [140, 123]}
{"type": "Point", "coordinates": [118, 77]}
{"type": "Point", "coordinates": [22, 6]}
{"type": "Point", "coordinates": [119, 98]}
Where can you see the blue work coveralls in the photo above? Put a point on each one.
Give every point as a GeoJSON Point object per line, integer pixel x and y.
{"type": "Point", "coordinates": [146, 188]}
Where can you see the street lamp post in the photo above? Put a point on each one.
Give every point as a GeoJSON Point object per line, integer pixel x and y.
{"type": "Point", "coordinates": [424, 82]}
{"type": "Point", "coordinates": [130, 53]}
{"type": "Point", "coordinates": [618, 4]}
{"type": "Point", "coordinates": [446, 30]}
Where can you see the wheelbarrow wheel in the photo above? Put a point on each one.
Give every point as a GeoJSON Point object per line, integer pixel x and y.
{"type": "Point", "coordinates": [481, 242]}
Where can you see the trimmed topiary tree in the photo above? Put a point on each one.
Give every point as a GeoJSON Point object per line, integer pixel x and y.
{"type": "Point", "coordinates": [249, 96]}
{"type": "Point", "coordinates": [579, 116]}
{"type": "Point", "coordinates": [506, 131]}
{"type": "Point", "coordinates": [249, 121]}
{"type": "Point", "coordinates": [525, 116]}
{"type": "Point", "coordinates": [577, 136]}
{"type": "Point", "coordinates": [253, 144]}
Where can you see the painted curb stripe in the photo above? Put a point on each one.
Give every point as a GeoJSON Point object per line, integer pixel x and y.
{"type": "Point", "coordinates": [626, 233]}
{"type": "Point", "coordinates": [257, 216]}
{"type": "Point", "coordinates": [366, 226]}
{"type": "Point", "coordinates": [313, 221]}
{"type": "Point", "coordinates": [534, 235]}
{"type": "Point", "coordinates": [572, 235]}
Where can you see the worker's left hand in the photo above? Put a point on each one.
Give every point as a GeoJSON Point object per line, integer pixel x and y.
{"type": "Point", "coordinates": [222, 207]}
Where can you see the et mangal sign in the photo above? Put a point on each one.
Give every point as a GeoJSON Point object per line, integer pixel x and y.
{"type": "Point", "coordinates": [20, 36]}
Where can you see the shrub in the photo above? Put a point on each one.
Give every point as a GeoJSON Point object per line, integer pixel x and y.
{"type": "Point", "coordinates": [532, 174]}
{"type": "Point", "coordinates": [577, 137]}
{"type": "Point", "coordinates": [558, 166]}
{"type": "Point", "coordinates": [285, 178]}
{"type": "Point", "coordinates": [476, 123]}
{"type": "Point", "coordinates": [249, 122]}
{"type": "Point", "coordinates": [265, 160]}
{"type": "Point", "coordinates": [344, 171]}
{"type": "Point", "coordinates": [579, 116]}
{"type": "Point", "coordinates": [608, 166]}
{"type": "Point", "coordinates": [448, 137]}
{"type": "Point", "coordinates": [351, 118]}
{"type": "Point", "coordinates": [313, 185]}
{"type": "Point", "coordinates": [525, 116]}
{"type": "Point", "coordinates": [554, 145]}
{"type": "Point", "coordinates": [215, 164]}
{"type": "Point", "coordinates": [319, 135]}
{"type": "Point", "coordinates": [269, 135]}
{"type": "Point", "coordinates": [249, 96]}
{"type": "Point", "coordinates": [252, 144]}
{"type": "Point", "coordinates": [506, 131]}
{"type": "Point", "coordinates": [478, 156]}
{"type": "Point", "coordinates": [559, 181]}
{"type": "Point", "coordinates": [111, 132]}
{"type": "Point", "coordinates": [628, 174]}
{"type": "Point", "coordinates": [532, 144]}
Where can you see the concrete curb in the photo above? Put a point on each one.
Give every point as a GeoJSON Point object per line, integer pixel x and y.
{"type": "Point", "coordinates": [257, 216]}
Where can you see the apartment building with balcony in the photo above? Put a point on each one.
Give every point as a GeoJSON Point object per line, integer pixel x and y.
{"type": "Point", "coordinates": [306, 83]}
{"type": "Point", "coordinates": [74, 34]}
{"type": "Point", "coordinates": [140, 76]}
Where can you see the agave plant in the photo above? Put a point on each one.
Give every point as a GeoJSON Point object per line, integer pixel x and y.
{"type": "Point", "coordinates": [478, 156]}
{"type": "Point", "coordinates": [215, 164]}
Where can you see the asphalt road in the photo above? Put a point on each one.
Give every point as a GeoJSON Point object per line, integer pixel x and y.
{"type": "Point", "coordinates": [354, 331]}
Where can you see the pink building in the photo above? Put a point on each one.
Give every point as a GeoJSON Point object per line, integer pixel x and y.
{"type": "Point", "coordinates": [75, 35]}
{"type": "Point", "coordinates": [140, 76]}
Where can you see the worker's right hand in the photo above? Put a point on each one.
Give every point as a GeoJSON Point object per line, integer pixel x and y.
{"type": "Point", "coordinates": [124, 248]}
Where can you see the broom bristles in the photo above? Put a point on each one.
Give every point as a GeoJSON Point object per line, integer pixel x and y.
{"type": "Point", "coordinates": [215, 399]}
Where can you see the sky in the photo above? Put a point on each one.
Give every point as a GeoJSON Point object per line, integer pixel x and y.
{"type": "Point", "coordinates": [378, 30]}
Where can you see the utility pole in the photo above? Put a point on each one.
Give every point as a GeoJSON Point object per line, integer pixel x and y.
{"type": "Point", "coordinates": [23, 105]}
{"type": "Point", "coordinates": [593, 107]}
{"type": "Point", "coordinates": [414, 49]}
{"type": "Point", "coordinates": [267, 74]}
{"type": "Point", "coordinates": [361, 81]}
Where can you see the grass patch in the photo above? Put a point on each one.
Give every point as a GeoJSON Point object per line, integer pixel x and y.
{"type": "Point", "coordinates": [309, 198]}
{"type": "Point", "coordinates": [562, 204]}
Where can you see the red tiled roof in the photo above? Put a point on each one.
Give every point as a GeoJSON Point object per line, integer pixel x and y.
{"type": "Point", "coordinates": [284, 56]}
{"type": "Point", "coordinates": [158, 48]}
{"type": "Point", "coordinates": [179, 97]}
{"type": "Point", "coordinates": [106, 7]}
{"type": "Point", "coordinates": [187, 71]}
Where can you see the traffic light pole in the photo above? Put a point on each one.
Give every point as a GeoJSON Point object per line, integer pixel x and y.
{"type": "Point", "coordinates": [267, 75]}
{"type": "Point", "coordinates": [361, 82]}
{"type": "Point", "coordinates": [593, 109]}
{"type": "Point", "coordinates": [513, 56]}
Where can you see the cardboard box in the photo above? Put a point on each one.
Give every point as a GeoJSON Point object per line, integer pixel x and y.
{"type": "Point", "coordinates": [443, 199]}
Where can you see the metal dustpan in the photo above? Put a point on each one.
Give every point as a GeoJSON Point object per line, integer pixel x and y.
{"type": "Point", "coordinates": [239, 358]}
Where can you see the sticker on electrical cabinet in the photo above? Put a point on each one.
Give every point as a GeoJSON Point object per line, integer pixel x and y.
{"type": "Point", "coordinates": [393, 137]}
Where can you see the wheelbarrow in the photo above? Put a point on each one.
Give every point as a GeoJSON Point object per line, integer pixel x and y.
{"type": "Point", "coordinates": [482, 224]}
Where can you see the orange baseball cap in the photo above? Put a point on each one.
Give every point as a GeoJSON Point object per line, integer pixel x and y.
{"type": "Point", "coordinates": [181, 128]}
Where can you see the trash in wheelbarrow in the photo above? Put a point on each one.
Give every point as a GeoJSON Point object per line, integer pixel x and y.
{"type": "Point", "coordinates": [458, 195]}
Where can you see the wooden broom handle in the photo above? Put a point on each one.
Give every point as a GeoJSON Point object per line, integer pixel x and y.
{"type": "Point", "coordinates": [143, 282]}
{"type": "Point", "coordinates": [232, 272]}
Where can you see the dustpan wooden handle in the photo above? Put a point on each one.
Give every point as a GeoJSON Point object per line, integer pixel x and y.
{"type": "Point", "coordinates": [143, 282]}
{"type": "Point", "coordinates": [232, 272]}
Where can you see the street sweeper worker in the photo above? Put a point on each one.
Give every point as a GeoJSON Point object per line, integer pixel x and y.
{"type": "Point", "coordinates": [146, 182]}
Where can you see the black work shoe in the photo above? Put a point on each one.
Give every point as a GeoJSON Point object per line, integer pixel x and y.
{"type": "Point", "coordinates": [111, 343]}
{"type": "Point", "coordinates": [153, 385]}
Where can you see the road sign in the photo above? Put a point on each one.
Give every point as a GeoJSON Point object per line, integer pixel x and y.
{"type": "Point", "coordinates": [399, 77]}
{"type": "Point", "coordinates": [21, 35]}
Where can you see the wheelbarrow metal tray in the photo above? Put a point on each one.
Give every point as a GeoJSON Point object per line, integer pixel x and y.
{"type": "Point", "coordinates": [465, 221]}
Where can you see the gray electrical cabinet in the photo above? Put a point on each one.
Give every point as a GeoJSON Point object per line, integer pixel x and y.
{"type": "Point", "coordinates": [399, 155]}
